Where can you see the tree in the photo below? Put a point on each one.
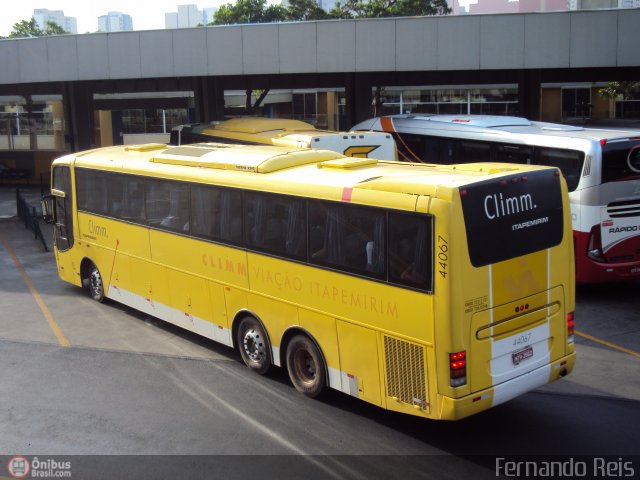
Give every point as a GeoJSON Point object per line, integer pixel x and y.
{"type": "Point", "coordinates": [301, 10]}
{"type": "Point", "coordinates": [30, 28]}
{"type": "Point", "coordinates": [614, 89]}
{"type": "Point", "coordinates": [52, 28]}
{"type": "Point", "coordinates": [249, 11]}
{"type": "Point", "coordinates": [389, 8]}
{"type": "Point", "coordinates": [25, 29]}
{"type": "Point", "coordinates": [257, 11]}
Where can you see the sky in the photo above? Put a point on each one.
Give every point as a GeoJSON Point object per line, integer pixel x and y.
{"type": "Point", "coordinates": [146, 14]}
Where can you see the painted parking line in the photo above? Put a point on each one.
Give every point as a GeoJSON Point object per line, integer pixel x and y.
{"type": "Point", "coordinates": [608, 344]}
{"type": "Point", "coordinates": [57, 331]}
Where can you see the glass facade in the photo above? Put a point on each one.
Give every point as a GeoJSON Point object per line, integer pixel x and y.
{"type": "Point", "coordinates": [37, 124]}
{"type": "Point", "coordinates": [629, 106]}
{"type": "Point", "coordinates": [496, 100]}
{"type": "Point", "coordinates": [152, 120]}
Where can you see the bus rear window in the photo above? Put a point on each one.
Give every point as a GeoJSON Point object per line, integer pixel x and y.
{"type": "Point", "coordinates": [512, 216]}
{"type": "Point", "coordinates": [621, 161]}
{"type": "Point", "coordinates": [569, 162]}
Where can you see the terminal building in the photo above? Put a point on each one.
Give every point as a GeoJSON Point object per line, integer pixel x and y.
{"type": "Point", "coordinates": [74, 92]}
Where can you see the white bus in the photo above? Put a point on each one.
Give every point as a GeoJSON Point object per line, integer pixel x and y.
{"type": "Point", "coordinates": [601, 167]}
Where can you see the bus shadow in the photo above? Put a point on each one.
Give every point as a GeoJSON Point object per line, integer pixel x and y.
{"type": "Point", "coordinates": [537, 423]}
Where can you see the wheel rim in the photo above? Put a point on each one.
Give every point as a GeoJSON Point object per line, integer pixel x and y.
{"type": "Point", "coordinates": [253, 345]}
{"type": "Point", "coordinates": [304, 366]}
{"type": "Point", "coordinates": [95, 281]}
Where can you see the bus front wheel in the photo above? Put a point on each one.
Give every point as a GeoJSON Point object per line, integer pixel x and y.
{"type": "Point", "coordinates": [305, 366]}
{"type": "Point", "coordinates": [254, 345]}
{"type": "Point", "coordinates": [96, 286]}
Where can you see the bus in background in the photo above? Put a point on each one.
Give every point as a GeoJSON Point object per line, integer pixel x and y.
{"type": "Point", "coordinates": [436, 291]}
{"type": "Point", "coordinates": [287, 133]}
{"type": "Point", "coordinates": [601, 167]}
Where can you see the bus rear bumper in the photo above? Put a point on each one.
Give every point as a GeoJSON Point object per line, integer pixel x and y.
{"type": "Point", "coordinates": [457, 408]}
{"type": "Point", "coordinates": [592, 271]}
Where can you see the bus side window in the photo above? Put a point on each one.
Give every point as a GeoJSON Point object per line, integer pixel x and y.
{"type": "Point", "coordinates": [276, 224]}
{"type": "Point", "coordinates": [347, 237]}
{"type": "Point", "coordinates": [217, 213]}
{"type": "Point", "coordinates": [410, 249]}
{"type": "Point", "coordinates": [92, 191]}
{"type": "Point", "coordinates": [133, 203]}
{"type": "Point", "coordinates": [167, 205]}
{"type": "Point", "coordinates": [119, 196]}
{"type": "Point", "coordinates": [446, 148]}
{"type": "Point", "coordinates": [204, 210]}
{"type": "Point", "coordinates": [514, 154]}
{"type": "Point", "coordinates": [470, 151]}
{"type": "Point", "coordinates": [116, 195]}
{"type": "Point", "coordinates": [569, 162]}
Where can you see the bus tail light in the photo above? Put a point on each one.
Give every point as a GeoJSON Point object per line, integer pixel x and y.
{"type": "Point", "coordinates": [458, 368]}
{"type": "Point", "coordinates": [594, 248]}
{"type": "Point", "coordinates": [571, 324]}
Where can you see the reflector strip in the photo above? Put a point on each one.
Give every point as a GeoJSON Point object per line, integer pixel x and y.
{"type": "Point", "coordinates": [346, 194]}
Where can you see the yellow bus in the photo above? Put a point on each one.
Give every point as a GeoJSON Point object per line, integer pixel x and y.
{"type": "Point", "coordinates": [432, 290]}
{"type": "Point", "coordinates": [287, 133]}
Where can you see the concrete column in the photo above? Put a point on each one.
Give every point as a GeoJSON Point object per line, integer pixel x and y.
{"type": "Point", "coordinates": [209, 99]}
{"type": "Point", "coordinates": [529, 94]}
{"type": "Point", "coordinates": [358, 93]}
{"type": "Point", "coordinates": [78, 106]}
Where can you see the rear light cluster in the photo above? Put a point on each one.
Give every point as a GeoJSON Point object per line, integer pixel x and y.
{"type": "Point", "coordinates": [571, 324]}
{"type": "Point", "coordinates": [594, 248]}
{"type": "Point", "coordinates": [458, 368]}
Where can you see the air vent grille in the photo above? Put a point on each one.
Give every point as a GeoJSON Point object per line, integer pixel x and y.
{"type": "Point", "coordinates": [406, 377]}
{"type": "Point", "coordinates": [629, 208]}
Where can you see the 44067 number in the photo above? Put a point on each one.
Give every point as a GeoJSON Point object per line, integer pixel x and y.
{"type": "Point", "coordinates": [443, 256]}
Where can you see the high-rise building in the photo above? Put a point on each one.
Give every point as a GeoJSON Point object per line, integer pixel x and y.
{"type": "Point", "coordinates": [115, 22]}
{"type": "Point", "coordinates": [208, 14]}
{"type": "Point", "coordinates": [525, 6]}
{"type": "Point", "coordinates": [188, 16]}
{"type": "Point", "coordinates": [327, 5]}
{"type": "Point", "coordinates": [601, 4]}
{"type": "Point", "coordinates": [43, 15]}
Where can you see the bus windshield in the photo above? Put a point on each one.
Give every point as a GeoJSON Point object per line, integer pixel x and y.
{"type": "Point", "coordinates": [621, 160]}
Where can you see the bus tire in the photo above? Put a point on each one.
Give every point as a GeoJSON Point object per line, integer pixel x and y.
{"type": "Point", "coordinates": [253, 344]}
{"type": "Point", "coordinates": [306, 366]}
{"type": "Point", "coordinates": [96, 285]}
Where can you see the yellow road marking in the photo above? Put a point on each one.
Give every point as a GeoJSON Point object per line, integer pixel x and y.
{"type": "Point", "coordinates": [608, 344]}
{"type": "Point", "coordinates": [62, 340]}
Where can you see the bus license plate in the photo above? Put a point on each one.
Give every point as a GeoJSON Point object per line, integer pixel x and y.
{"type": "Point", "coordinates": [521, 355]}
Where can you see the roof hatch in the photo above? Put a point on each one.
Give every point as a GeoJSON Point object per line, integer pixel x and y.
{"type": "Point", "coordinates": [244, 158]}
{"type": "Point", "coordinates": [348, 162]}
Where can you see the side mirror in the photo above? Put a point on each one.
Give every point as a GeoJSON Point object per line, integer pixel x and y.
{"type": "Point", "coordinates": [47, 208]}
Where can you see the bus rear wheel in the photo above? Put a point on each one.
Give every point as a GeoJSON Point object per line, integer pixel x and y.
{"type": "Point", "coordinates": [254, 345]}
{"type": "Point", "coordinates": [306, 367]}
{"type": "Point", "coordinates": [96, 286]}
